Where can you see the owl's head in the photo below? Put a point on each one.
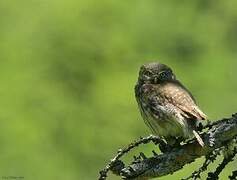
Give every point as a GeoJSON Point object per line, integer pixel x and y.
{"type": "Point", "coordinates": [155, 73]}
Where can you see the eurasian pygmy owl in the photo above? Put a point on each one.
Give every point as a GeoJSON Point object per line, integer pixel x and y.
{"type": "Point", "coordinates": [167, 107]}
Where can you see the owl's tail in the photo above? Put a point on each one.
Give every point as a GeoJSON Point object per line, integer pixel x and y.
{"type": "Point", "coordinates": [199, 139]}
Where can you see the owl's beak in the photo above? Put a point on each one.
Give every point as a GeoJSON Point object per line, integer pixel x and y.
{"type": "Point", "coordinates": [156, 80]}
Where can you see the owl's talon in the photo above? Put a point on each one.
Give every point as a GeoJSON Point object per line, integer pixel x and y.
{"type": "Point", "coordinates": [200, 127]}
{"type": "Point", "coordinates": [177, 142]}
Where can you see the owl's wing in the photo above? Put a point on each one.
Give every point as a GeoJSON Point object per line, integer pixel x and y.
{"type": "Point", "coordinates": [192, 112]}
{"type": "Point", "coordinates": [180, 97]}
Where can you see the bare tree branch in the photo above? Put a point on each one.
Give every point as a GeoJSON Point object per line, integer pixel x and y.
{"type": "Point", "coordinates": [209, 159]}
{"type": "Point", "coordinates": [218, 135]}
{"type": "Point", "coordinates": [220, 168]}
{"type": "Point", "coordinates": [116, 166]}
{"type": "Point", "coordinates": [170, 162]}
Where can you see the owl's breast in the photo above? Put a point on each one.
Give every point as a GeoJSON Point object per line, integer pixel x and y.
{"type": "Point", "coordinates": [163, 118]}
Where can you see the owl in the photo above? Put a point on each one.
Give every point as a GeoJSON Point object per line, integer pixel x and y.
{"type": "Point", "coordinates": [167, 107]}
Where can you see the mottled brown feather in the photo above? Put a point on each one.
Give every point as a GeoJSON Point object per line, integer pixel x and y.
{"type": "Point", "coordinates": [176, 94]}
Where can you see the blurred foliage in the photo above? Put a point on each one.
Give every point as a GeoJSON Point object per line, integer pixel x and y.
{"type": "Point", "coordinates": [68, 69]}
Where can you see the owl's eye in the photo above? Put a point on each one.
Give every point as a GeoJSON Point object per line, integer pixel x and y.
{"type": "Point", "coordinates": [148, 73]}
{"type": "Point", "coordinates": [165, 75]}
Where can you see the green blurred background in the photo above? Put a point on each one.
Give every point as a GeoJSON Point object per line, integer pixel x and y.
{"type": "Point", "coordinates": [68, 70]}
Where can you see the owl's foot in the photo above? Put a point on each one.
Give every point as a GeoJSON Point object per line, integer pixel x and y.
{"type": "Point", "coordinates": [178, 141]}
{"type": "Point", "coordinates": [200, 127]}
